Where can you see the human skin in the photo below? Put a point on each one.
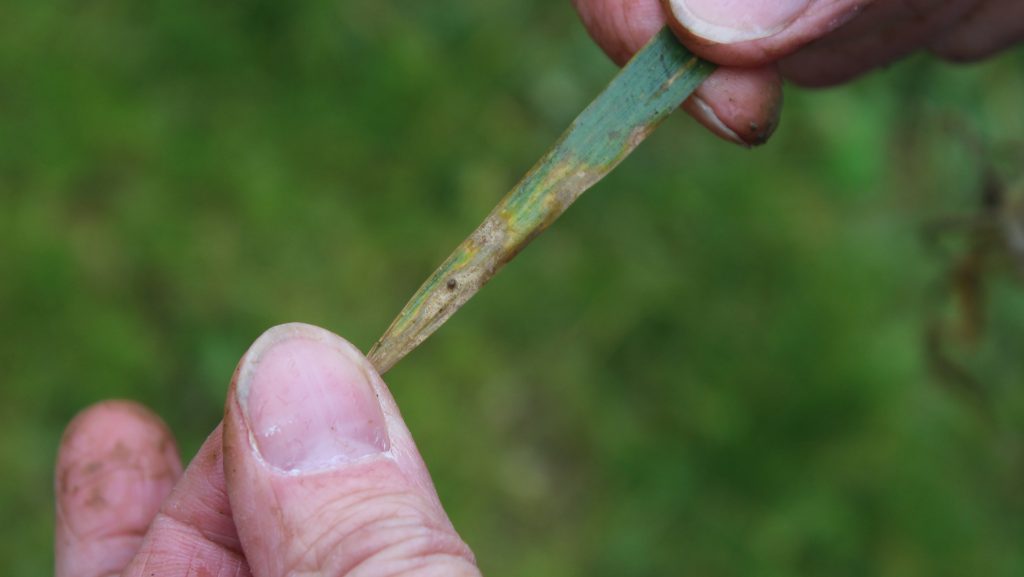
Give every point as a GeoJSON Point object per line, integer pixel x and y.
{"type": "Point", "coordinates": [760, 43]}
{"type": "Point", "coordinates": [312, 472]}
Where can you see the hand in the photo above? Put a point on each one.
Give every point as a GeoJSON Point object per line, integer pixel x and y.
{"type": "Point", "coordinates": [311, 472]}
{"type": "Point", "coordinates": [810, 42]}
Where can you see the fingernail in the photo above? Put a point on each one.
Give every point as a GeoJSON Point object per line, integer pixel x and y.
{"type": "Point", "coordinates": [703, 112]}
{"type": "Point", "coordinates": [731, 21]}
{"type": "Point", "coordinates": [307, 399]}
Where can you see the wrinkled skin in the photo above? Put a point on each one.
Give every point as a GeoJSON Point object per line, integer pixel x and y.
{"type": "Point", "coordinates": [357, 502]}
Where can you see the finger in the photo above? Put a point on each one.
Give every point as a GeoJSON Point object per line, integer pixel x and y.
{"type": "Point", "coordinates": [322, 474]}
{"type": "Point", "coordinates": [742, 33]}
{"type": "Point", "coordinates": [992, 26]}
{"type": "Point", "coordinates": [116, 464]}
{"type": "Point", "coordinates": [621, 27]}
{"type": "Point", "coordinates": [885, 32]}
{"type": "Point", "coordinates": [193, 534]}
{"type": "Point", "coordinates": [748, 33]}
{"type": "Point", "coordinates": [738, 105]}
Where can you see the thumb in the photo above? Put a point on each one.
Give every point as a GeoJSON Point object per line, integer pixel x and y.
{"type": "Point", "coordinates": [734, 21]}
{"type": "Point", "coordinates": [322, 474]}
{"type": "Point", "coordinates": [750, 33]}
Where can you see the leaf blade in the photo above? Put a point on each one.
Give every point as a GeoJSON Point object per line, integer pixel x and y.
{"type": "Point", "coordinates": [645, 92]}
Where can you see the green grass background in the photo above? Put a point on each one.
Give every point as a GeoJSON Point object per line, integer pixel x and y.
{"type": "Point", "coordinates": [713, 364]}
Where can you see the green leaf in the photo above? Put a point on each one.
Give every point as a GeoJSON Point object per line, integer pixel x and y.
{"type": "Point", "coordinates": [649, 88]}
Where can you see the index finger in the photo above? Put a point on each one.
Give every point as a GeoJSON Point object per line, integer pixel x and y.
{"type": "Point", "coordinates": [194, 533]}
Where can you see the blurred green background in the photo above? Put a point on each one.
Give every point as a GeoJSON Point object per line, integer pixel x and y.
{"type": "Point", "coordinates": [715, 364]}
